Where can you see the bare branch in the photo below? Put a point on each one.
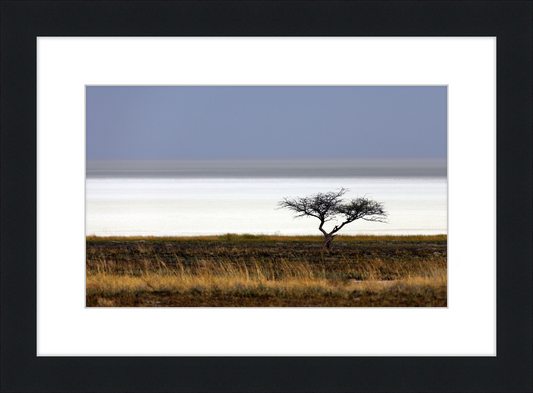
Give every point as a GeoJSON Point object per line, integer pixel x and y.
{"type": "Point", "coordinates": [363, 208]}
{"type": "Point", "coordinates": [322, 205]}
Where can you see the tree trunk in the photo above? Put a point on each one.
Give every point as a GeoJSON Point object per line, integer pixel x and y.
{"type": "Point", "coordinates": [328, 240]}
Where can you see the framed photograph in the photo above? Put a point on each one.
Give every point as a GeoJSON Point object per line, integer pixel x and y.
{"type": "Point", "coordinates": [64, 116]}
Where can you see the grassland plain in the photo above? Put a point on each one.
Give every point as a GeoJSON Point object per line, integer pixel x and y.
{"type": "Point", "coordinates": [266, 271]}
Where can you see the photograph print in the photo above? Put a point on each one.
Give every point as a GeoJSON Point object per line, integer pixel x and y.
{"type": "Point", "coordinates": [266, 196]}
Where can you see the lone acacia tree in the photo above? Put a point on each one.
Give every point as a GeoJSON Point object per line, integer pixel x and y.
{"type": "Point", "coordinates": [329, 206]}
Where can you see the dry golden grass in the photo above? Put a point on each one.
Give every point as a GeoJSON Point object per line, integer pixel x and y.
{"type": "Point", "coordinates": [265, 273]}
{"type": "Point", "coordinates": [242, 281]}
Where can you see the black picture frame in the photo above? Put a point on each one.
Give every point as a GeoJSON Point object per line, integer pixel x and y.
{"type": "Point", "coordinates": [23, 22]}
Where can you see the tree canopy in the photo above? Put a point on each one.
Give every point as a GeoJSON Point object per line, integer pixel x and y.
{"type": "Point", "coordinates": [330, 206]}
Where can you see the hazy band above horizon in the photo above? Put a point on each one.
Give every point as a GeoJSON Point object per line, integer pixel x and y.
{"type": "Point", "coordinates": [269, 168]}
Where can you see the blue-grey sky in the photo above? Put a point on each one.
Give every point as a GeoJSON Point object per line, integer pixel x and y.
{"type": "Point", "coordinates": [181, 122]}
